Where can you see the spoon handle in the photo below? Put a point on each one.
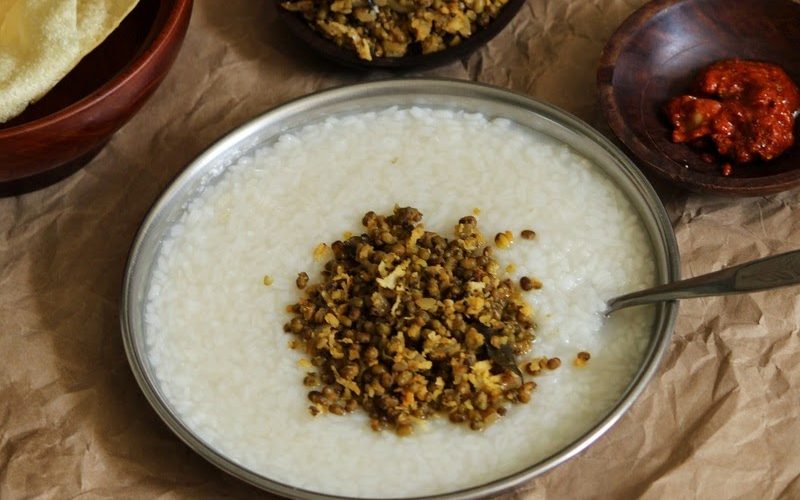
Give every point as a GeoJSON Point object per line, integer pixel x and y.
{"type": "Point", "coordinates": [762, 274]}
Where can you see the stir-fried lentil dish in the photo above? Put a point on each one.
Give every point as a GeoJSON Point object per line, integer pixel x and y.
{"type": "Point", "coordinates": [403, 324]}
{"type": "Point", "coordinates": [395, 28]}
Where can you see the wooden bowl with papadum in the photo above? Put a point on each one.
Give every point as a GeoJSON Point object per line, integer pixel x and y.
{"type": "Point", "coordinates": [72, 74]}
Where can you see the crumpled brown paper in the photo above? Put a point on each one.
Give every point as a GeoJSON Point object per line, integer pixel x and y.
{"type": "Point", "coordinates": [720, 420]}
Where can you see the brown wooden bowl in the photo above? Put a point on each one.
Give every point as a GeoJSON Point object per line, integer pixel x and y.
{"type": "Point", "coordinates": [657, 52]}
{"type": "Point", "coordinates": [347, 57]}
{"type": "Point", "coordinates": [59, 133]}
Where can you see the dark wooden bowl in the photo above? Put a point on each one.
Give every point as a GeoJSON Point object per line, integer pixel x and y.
{"type": "Point", "coordinates": [657, 52]}
{"type": "Point", "coordinates": [347, 57]}
{"type": "Point", "coordinates": [59, 133]}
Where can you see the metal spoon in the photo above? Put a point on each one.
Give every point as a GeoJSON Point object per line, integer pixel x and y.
{"type": "Point", "coordinates": [762, 274]}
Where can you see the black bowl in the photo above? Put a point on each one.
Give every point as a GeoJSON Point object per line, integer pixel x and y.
{"type": "Point", "coordinates": [347, 57]}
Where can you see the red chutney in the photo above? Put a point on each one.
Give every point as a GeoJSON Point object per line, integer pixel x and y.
{"type": "Point", "coordinates": [747, 108]}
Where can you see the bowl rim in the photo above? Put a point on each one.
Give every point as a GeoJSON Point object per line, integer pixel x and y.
{"type": "Point", "coordinates": [330, 50]}
{"type": "Point", "coordinates": [663, 327]}
{"type": "Point", "coordinates": [171, 12]}
{"type": "Point", "coordinates": [661, 164]}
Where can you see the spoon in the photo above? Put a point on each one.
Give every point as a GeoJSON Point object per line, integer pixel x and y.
{"type": "Point", "coordinates": [762, 274]}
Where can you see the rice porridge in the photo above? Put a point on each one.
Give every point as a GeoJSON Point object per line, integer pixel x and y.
{"type": "Point", "coordinates": [215, 335]}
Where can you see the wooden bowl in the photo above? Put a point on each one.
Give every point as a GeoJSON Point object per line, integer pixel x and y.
{"type": "Point", "coordinates": [330, 50]}
{"type": "Point", "coordinates": [657, 52]}
{"type": "Point", "coordinates": [62, 131]}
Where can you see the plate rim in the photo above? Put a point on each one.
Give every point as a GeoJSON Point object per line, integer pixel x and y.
{"type": "Point", "coordinates": [666, 313]}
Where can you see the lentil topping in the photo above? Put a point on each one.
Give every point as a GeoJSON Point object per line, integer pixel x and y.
{"type": "Point", "coordinates": [394, 28]}
{"type": "Point", "coordinates": [504, 239]}
{"type": "Point", "coordinates": [400, 323]}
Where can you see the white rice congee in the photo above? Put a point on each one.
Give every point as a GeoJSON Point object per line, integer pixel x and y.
{"type": "Point", "coordinates": [214, 330]}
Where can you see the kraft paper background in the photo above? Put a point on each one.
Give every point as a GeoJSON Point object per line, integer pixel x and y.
{"type": "Point", "coordinates": [720, 420]}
